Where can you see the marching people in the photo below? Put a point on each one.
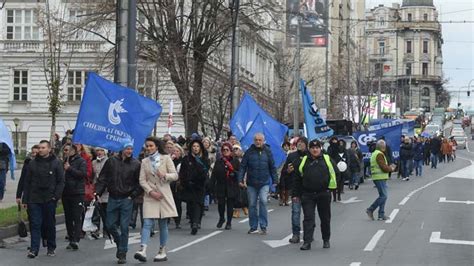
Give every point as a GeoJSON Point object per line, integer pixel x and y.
{"type": "Point", "coordinates": [418, 156]}
{"type": "Point", "coordinates": [427, 151]}
{"type": "Point", "coordinates": [224, 184]}
{"type": "Point", "coordinates": [43, 187]}
{"type": "Point", "coordinates": [4, 165]}
{"type": "Point", "coordinates": [290, 174]}
{"type": "Point", "coordinates": [355, 165]}
{"type": "Point", "coordinates": [75, 169]}
{"type": "Point", "coordinates": [316, 176]}
{"type": "Point", "coordinates": [454, 146]}
{"type": "Point", "coordinates": [435, 151]}
{"type": "Point", "coordinates": [192, 180]}
{"type": "Point", "coordinates": [446, 151]}
{"type": "Point", "coordinates": [97, 165]}
{"type": "Point", "coordinates": [259, 166]}
{"type": "Point", "coordinates": [379, 169]}
{"type": "Point", "coordinates": [21, 183]}
{"type": "Point", "coordinates": [212, 155]}
{"type": "Point", "coordinates": [242, 202]}
{"type": "Point", "coordinates": [177, 157]}
{"type": "Point", "coordinates": [120, 176]}
{"type": "Point", "coordinates": [340, 156]}
{"type": "Point", "coordinates": [406, 158]}
{"type": "Point", "coordinates": [156, 173]}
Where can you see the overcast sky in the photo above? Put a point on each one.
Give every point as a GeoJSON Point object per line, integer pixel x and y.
{"type": "Point", "coordinates": [458, 47]}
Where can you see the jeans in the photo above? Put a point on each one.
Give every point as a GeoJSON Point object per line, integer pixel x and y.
{"type": "Point", "coordinates": [355, 179]}
{"type": "Point", "coordinates": [73, 209]}
{"type": "Point", "coordinates": [148, 224]}
{"type": "Point", "coordinates": [119, 212]}
{"type": "Point", "coordinates": [380, 201]}
{"type": "Point", "coordinates": [42, 213]}
{"type": "Point", "coordinates": [3, 182]}
{"type": "Point", "coordinates": [296, 217]}
{"type": "Point", "coordinates": [434, 160]}
{"type": "Point", "coordinates": [207, 200]}
{"type": "Point", "coordinates": [418, 167]}
{"type": "Point", "coordinates": [405, 168]}
{"type": "Point", "coordinates": [260, 194]}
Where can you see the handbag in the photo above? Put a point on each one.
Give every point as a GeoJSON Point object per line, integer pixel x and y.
{"type": "Point", "coordinates": [88, 226]}
{"type": "Point", "coordinates": [22, 231]}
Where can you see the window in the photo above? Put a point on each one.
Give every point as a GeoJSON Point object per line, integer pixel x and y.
{"type": "Point", "coordinates": [382, 48]}
{"type": "Point", "coordinates": [21, 25]}
{"type": "Point", "coordinates": [20, 85]}
{"type": "Point", "coordinates": [408, 69]}
{"type": "Point", "coordinates": [425, 47]}
{"type": "Point", "coordinates": [424, 69]}
{"type": "Point", "coordinates": [410, 17]}
{"type": "Point", "coordinates": [145, 83]}
{"type": "Point", "coordinates": [75, 82]}
{"type": "Point", "coordinates": [425, 17]}
{"type": "Point", "coordinates": [426, 92]}
{"type": "Point", "coordinates": [408, 47]}
{"type": "Point", "coordinates": [378, 69]}
{"type": "Point", "coordinates": [382, 21]}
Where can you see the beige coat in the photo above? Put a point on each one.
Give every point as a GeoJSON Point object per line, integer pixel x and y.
{"type": "Point", "coordinates": [164, 208]}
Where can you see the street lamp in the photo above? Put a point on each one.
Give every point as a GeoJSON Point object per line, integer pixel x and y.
{"type": "Point", "coordinates": [16, 121]}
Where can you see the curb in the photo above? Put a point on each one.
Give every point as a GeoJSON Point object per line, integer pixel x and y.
{"type": "Point", "coordinates": [12, 230]}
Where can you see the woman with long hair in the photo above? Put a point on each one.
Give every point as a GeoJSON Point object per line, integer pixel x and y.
{"type": "Point", "coordinates": [224, 184]}
{"type": "Point", "coordinates": [177, 156]}
{"type": "Point", "coordinates": [192, 180]}
{"type": "Point", "coordinates": [156, 173]}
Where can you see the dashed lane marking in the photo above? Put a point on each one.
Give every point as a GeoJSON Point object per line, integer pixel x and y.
{"type": "Point", "coordinates": [196, 241]}
{"type": "Point", "coordinates": [392, 216]}
{"type": "Point", "coordinates": [373, 242]}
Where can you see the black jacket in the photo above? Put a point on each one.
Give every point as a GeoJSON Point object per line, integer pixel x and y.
{"type": "Point", "coordinates": [356, 158]}
{"type": "Point", "coordinates": [4, 156]}
{"type": "Point", "coordinates": [75, 177]}
{"type": "Point", "coordinates": [192, 179]}
{"type": "Point", "coordinates": [21, 182]}
{"type": "Point", "coordinates": [44, 180]}
{"type": "Point", "coordinates": [406, 151]}
{"type": "Point", "coordinates": [315, 178]}
{"type": "Point", "coordinates": [222, 186]}
{"type": "Point", "coordinates": [287, 179]}
{"type": "Point", "coordinates": [120, 178]}
{"type": "Point", "coordinates": [435, 145]}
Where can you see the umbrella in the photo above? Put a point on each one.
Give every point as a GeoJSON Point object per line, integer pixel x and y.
{"type": "Point", "coordinates": [425, 134]}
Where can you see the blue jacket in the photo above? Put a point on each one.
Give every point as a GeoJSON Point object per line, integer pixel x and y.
{"type": "Point", "coordinates": [418, 150]}
{"type": "Point", "coordinates": [259, 166]}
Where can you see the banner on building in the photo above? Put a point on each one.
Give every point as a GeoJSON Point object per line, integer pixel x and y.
{"type": "Point", "coordinates": [391, 134]}
{"type": "Point", "coordinates": [313, 22]}
{"type": "Point", "coordinates": [111, 115]}
{"type": "Point", "coordinates": [246, 114]}
{"type": "Point", "coordinates": [258, 126]}
{"type": "Point", "coordinates": [316, 127]}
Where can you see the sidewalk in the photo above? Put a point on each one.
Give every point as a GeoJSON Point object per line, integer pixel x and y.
{"type": "Point", "coordinates": [10, 194]}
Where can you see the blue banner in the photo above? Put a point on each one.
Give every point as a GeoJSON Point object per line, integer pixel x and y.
{"type": "Point", "coordinates": [6, 138]}
{"type": "Point", "coordinates": [258, 126]}
{"type": "Point", "coordinates": [392, 137]}
{"type": "Point", "coordinates": [407, 130]}
{"type": "Point", "coordinates": [245, 115]}
{"type": "Point", "coordinates": [316, 127]}
{"type": "Point", "coordinates": [112, 115]}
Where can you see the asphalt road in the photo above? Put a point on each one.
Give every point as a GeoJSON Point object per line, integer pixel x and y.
{"type": "Point", "coordinates": [433, 222]}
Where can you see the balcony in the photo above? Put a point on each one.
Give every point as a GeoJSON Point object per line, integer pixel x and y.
{"type": "Point", "coordinates": [419, 25]}
{"type": "Point", "coordinates": [38, 46]}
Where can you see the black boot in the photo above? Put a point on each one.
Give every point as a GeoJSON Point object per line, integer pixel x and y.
{"type": "Point", "coordinates": [295, 239]}
{"type": "Point", "coordinates": [228, 226]}
{"type": "Point", "coordinates": [306, 246]}
{"type": "Point", "coordinates": [194, 229]}
{"type": "Point", "coordinates": [220, 223]}
{"type": "Point", "coordinates": [326, 244]}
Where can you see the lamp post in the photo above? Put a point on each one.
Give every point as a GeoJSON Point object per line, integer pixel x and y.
{"type": "Point", "coordinates": [16, 121]}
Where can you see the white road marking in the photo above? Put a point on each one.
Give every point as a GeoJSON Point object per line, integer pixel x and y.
{"type": "Point", "coordinates": [247, 219]}
{"type": "Point", "coordinates": [355, 264]}
{"type": "Point", "coordinates": [133, 238]}
{"type": "Point", "coordinates": [392, 216]}
{"type": "Point", "coordinates": [405, 199]}
{"type": "Point", "coordinates": [351, 200]}
{"type": "Point", "coordinates": [196, 241]}
{"type": "Point", "coordinates": [280, 243]}
{"type": "Point", "coordinates": [436, 238]}
{"type": "Point", "coordinates": [422, 225]}
{"type": "Point", "coordinates": [460, 157]}
{"type": "Point", "coordinates": [373, 242]}
{"type": "Point", "coordinates": [456, 201]}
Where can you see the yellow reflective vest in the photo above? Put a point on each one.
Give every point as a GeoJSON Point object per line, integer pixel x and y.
{"type": "Point", "coordinates": [332, 173]}
{"type": "Point", "coordinates": [375, 170]}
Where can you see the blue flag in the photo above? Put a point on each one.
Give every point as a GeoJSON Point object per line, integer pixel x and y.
{"type": "Point", "coordinates": [258, 126]}
{"type": "Point", "coordinates": [111, 116]}
{"type": "Point", "coordinates": [245, 115]}
{"type": "Point", "coordinates": [7, 139]}
{"type": "Point", "coordinates": [392, 138]}
{"type": "Point", "coordinates": [316, 127]}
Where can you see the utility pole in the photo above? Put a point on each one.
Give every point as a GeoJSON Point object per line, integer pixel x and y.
{"type": "Point", "coordinates": [234, 70]}
{"type": "Point", "coordinates": [348, 70]}
{"type": "Point", "coordinates": [121, 61]}
{"type": "Point", "coordinates": [296, 102]}
{"type": "Point", "coordinates": [131, 44]}
{"type": "Point", "coordinates": [326, 77]}
{"type": "Point", "coordinates": [379, 92]}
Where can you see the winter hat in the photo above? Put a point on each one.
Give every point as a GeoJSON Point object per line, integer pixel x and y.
{"type": "Point", "coordinates": [315, 143]}
{"type": "Point", "coordinates": [195, 136]}
{"type": "Point", "coordinates": [126, 145]}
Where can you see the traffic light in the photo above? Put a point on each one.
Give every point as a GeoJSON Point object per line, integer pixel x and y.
{"type": "Point", "coordinates": [468, 93]}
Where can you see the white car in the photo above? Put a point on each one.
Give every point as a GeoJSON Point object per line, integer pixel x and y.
{"type": "Point", "coordinates": [432, 130]}
{"type": "Point", "coordinates": [458, 132]}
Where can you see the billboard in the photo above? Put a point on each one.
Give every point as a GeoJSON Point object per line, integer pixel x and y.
{"type": "Point", "coordinates": [313, 18]}
{"type": "Point", "coordinates": [369, 107]}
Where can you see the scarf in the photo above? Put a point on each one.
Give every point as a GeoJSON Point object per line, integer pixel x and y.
{"type": "Point", "coordinates": [229, 168]}
{"type": "Point", "coordinates": [200, 162]}
{"type": "Point", "coordinates": [154, 160]}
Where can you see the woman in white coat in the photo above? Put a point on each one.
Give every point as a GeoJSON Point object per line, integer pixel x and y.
{"type": "Point", "coordinates": [156, 173]}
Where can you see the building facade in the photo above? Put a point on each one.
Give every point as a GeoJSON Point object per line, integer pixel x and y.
{"type": "Point", "coordinates": [23, 82]}
{"type": "Point", "coordinates": [404, 45]}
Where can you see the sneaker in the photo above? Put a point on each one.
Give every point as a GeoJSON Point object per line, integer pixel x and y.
{"type": "Point", "coordinates": [253, 231]}
{"type": "Point", "coordinates": [140, 255]}
{"type": "Point", "coordinates": [305, 246]}
{"type": "Point", "coordinates": [31, 255]}
{"type": "Point", "coordinates": [370, 214]}
{"type": "Point", "coordinates": [228, 226]}
{"type": "Point", "coordinates": [326, 244]}
{"type": "Point", "coordinates": [161, 256]}
{"type": "Point", "coordinates": [74, 246]}
{"type": "Point", "coordinates": [51, 253]}
{"type": "Point", "coordinates": [295, 239]}
{"type": "Point", "coordinates": [95, 235]}
{"type": "Point", "coordinates": [263, 231]}
{"type": "Point", "coordinates": [356, 187]}
{"type": "Point", "coordinates": [384, 218]}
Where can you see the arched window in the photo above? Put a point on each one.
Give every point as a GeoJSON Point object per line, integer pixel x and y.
{"type": "Point", "coordinates": [426, 92]}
